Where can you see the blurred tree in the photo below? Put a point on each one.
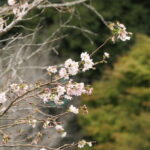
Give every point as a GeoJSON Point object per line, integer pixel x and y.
{"type": "Point", "coordinates": [120, 105]}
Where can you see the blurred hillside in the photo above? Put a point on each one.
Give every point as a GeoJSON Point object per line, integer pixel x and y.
{"type": "Point", "coordinates": [120, 105]}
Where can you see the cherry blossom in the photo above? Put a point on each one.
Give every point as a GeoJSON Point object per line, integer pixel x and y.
{"type": "Point", "coordinates": [45, 97]}
{"type": "Point", "coordinates": [19, 89]}
{"type": "Point", "coordinates": [11, 2]}
{"type": "Point", "coordinates": [119, 32]}
{"type": "Point", "coordinates": [83, 143]}
{"type": "Point", "coordinates": [87, 62]}
{"type": "Point", "coordinates": [46, 124]}
{"type": "Point", "coordinates": [73, 109]}
{"type": "Point", "coordinates": [61, 90]}
{"type": "Point", "coordinates": [75, 89]}
{"type": "Point", "coordinates": [72, 67]}
{"type": "Point", "coordinates": [106, 55]}
{"type": "Point", "coordinates": [67, 97]}
{"type": "Point", "coordinates": [63, 134]}
{"type": "Point", "coordinates": [63, 73]}
{"type": "Point", "coordinates": [43, 149]}
{"type": "Point", "coordinates": [60, 130]}
{"type": "Point", "coordinates": [85, 56]}
{"type": "Point", "coordinates": [52, 69]}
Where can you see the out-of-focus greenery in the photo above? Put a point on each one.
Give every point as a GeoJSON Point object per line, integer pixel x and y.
{"type": "Point", "coordinates": [120, 105]}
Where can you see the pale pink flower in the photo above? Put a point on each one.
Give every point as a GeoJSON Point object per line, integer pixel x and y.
{"type": "Point", "coordinates": [61, 90]}
{"type": "Point", "coordinates": [81, 144]}
{"type": "Point", "coordinates": [52, 69]}
{"type": "Point", "coordinates": [72, 66]}
{"type": "Point", "coordinates": [73, 109]}
{"type": "Point", "coordinates": [106, 55]}
{"type": "Point", "coordinates": [11, 2]}
{"type": "Point", "coordinates": [88, 65]}
{"type": "Point", "coordinates": [59, 128]}
{"type": "Point", "coordinates": [56, 99]}
{"type": "Point", "coordinates": [63, 73]}
{"type": "Point", "coordinates": [85, 56]}
{"type": "Point", "coordinates": [63, 134]}
{"type": "Point", "coordinates": [75, 89]}
{"type": "Point", "coordinates": [43, 149]}
{"type": "Point", "coordinates": [67, 97]}
{"type": "Point", "coordinates": [19, 89]}
{"type": "Point", "coordinates": [45, 96]}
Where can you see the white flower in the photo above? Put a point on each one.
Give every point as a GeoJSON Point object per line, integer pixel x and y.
{"type": "Point", "coordinates": [63, 134]}
{"type": "Point", "coordinates": [63, 73]}
{"type": "Point", "coordinates": [3, 97]}
{"type": "Point", "coordinates": [81, 143]}
{"type": "Point", "coordinates": [56, 99]}
{"type": "Point", "coordinates": [119, 32]}
{"type": "Point", "coordinates": [61, 90]}
{"type": "Point", "coordinates": [85, 56]}
{"type": "Point", "coordinates": [72, 66]}
{"type": "Point", "coordinates": [33, 123]}
{"type": "Point", "coordinates": [52, 69]}
{"type": "Point", "coordinates": [59, 128]}
{"type": "Point", "coordinates": [106, 55]}
{"type": "Point", "coordinates": [88, 65]}
{"type": "Point", "coordinates": [89, 144]}
{"type": "Point", "coordinates": [68, 97]}
{"type": "Point", "coordinates": [76, 89]}
{"type": "Point", "coordinates": [43, 149]}
{"type": "Point", "coordinates": [73, 109]}
{"type": "Point", "coordinates": [46, 124]}
{"type": "Point", "coordinates": [123, 35]}
{"type": "Point", "coordinates": [19, 89]}
{"type": "Point", "coordinates": [11, 2]}
{"type": "Point", "coordinates": [45, 97]}
{"type": "Point", "coordinates": [20, 10]}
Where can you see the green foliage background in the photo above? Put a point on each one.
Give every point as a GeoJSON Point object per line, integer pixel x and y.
{"type": "Point", "coordinates": [120, 105]}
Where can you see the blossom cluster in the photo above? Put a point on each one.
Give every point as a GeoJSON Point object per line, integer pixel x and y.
{"type": "Point", "coordinates": [18, 10]}
{"type": "Point", "coordinates": [83, 143]}
{"type": "Point", "coordinates": [68, 88]}
{"type": "Point", "coordinates": [19, 89]}
{"type": "Point", "coordinates": [71, 67]}
{"type": "Point", "coordinates": [87, 61]}
{"type": "Point", "coordinates": [119, 32]}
